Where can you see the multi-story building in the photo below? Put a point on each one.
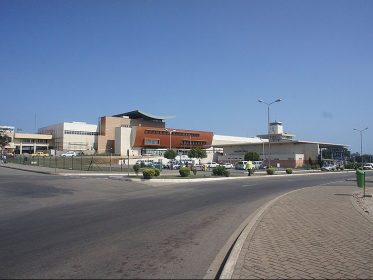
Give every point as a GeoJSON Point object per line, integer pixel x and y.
{"type": "Point", "coordinates": [72, 136]}
{"type": "Point", "coordinates": [140, 133]}
{"type": "Point", "coordinates": [25, 142]}
{"type": "Point", "coordinates": [31, 142]}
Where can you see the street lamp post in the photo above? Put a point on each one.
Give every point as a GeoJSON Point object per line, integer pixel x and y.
{"type": "Point", "coordinates": [361, 151]}
{"type": "Point", "coordinates": [361, 144]}
{"type": "Point", "coordinates": [170, 132]}
{"type": "Point", "coordinates": [261, 140]}
{"type": "Point", "coordinates": [269, 136]}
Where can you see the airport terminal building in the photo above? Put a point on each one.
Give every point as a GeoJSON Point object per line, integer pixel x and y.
{"type": "Point", "coordinates": [137, 134]}
{"type": "Point", "coordinates": [283, 150]}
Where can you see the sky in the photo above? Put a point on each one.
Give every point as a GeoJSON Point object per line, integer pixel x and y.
{"type": "Point", "coordinates": [205, 63]}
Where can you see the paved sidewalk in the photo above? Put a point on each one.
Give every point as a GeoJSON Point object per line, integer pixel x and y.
{"type": "Point", "coordinates": [312, 233]}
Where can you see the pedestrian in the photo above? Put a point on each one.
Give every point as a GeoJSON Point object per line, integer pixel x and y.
{"type": "Point", "coordinates": [249, 167]}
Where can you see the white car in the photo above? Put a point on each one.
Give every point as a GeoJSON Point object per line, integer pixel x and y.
{"type": "Point", "coordinates": [69, 154]}
{"type": "Point", "coordinates": [212, 164]}
{"type": "Point", "coordinates": [368, 166]}
{"type": "Point", "coordinates": [227, 165]}
{"type": "Point", "coordinates": [330, 167]}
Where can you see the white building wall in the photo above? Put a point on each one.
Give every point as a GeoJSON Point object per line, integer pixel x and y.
{"type": "Point", "coordinates": [72, 136]}
{"type": "Point", "coordinates": [123, 140]}
{"type": "Point", "coordinates": [281, 151]}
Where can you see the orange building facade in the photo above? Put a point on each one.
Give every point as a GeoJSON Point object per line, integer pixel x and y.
{"type": "Point", "coordinates": [139, 133]}
{"type": "Point", "coordinates": [154, 137]}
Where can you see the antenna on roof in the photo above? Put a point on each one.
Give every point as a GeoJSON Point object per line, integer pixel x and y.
{"type": "Point", "coordinates": [35, 123]}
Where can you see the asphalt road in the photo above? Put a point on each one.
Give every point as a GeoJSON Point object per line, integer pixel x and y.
{"type": "Point", "coordinates": [63, 227]}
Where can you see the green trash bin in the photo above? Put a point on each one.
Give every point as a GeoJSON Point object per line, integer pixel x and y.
{"type": "Point", "coordinates": [360, 178]}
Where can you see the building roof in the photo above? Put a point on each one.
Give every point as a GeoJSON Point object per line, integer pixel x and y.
{"type": "Point", "coordinates": [137, 114]}
{"type": "Point", "coordinates": [322, 145]}
{"type": "Point", "coordinates": [32, 136]}
{"type": "Point", "coordinates": [227, 140]}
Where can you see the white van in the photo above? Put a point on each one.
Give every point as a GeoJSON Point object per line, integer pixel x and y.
{"type": "Point", "coordinates": [257, 164]}
{"type": "Point", "coordinates": [241, 165]}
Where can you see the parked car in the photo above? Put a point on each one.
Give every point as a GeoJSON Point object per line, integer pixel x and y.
{"type": "Point", "coordinates": [368, 166]}
{"type": "Point", "coordinates": [69, 154]}
{"type": "Point", "coordinates": [157, 165]}
{"type": "Point", "coordinates": [241, 165]}
{"type": "Point", "coordinates": [146, 162]}
{"type": "Point", "coordinates": [330, 167]}
{"type": "Point", "coordinates": [258, 164]}
{"type": "Point", "coordinates": [40, 154]}
{"type": "Point", "coordinates": [212, 164]}
{"type": "Point", "coordinates": [227, 165]}
{"type": "Point", "coordinates": [173, 164]}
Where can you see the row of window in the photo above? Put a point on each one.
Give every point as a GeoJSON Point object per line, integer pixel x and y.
{"type": "Point", "coordinates": [28, 141]}
{"type": "Point", "coordinates": [184, 142]}
{"type": "Point", "coordinates": [151, 141]}
{"type": "Point", "coordinates": [80, 132]}
{"type": "Point", "coordinates": [194, 142]}
{"type": "Point", "coordinates": [176, 133]}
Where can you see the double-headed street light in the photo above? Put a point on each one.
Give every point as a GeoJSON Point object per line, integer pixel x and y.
{"type": "Point", "coordinates": [361, 144]}
{"type": "Point", "coordinates": [269, 136]}
{"type": "Point", "coordinates": [170, 131]}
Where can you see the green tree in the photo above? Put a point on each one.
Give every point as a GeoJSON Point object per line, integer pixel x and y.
{"type": "Point", "coordinates": [4, 140]}
{"type": "Point", "coordinates": [253, 156]}
{"type": "Point", "coordinates": [170, 154]}
{"type": "Point", "coordinates": [197, 153]}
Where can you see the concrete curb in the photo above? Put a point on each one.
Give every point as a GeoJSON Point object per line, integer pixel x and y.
{"type": "Point", "coordinates": [247, 233]}
{"type": "Point", "coordinates": [360, 210]}
{"type": "Point", "coordinates": [175, 180]}
{"type": "Point", "coordinates": [22, 169]}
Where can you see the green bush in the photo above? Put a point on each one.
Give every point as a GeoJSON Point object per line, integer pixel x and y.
{"type": "Point", "coordinates": [289, 171]}
{"type": "Point", "coordinates": [306, 166]}
{"type": "Point", "coordinates": [157, 172]}
{"type": "Point", "coordinates": [194, 170]}
{"type": "Point", "coordinates": [184, 171]}
{"type": "Point", "coordinates": [148, 173]}
{"type": "Point", "coordinates": [136, 168]}
{"type": "Point", "coordinates": [220, 171]}
{"type": "Point", "coordinates": [315, 166]}
{"type": "Point", "coordinates": [270, 171]}
{"type": "Point", "coordinates": [350, 165]}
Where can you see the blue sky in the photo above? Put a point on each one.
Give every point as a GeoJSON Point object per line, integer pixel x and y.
{"type": "Point", "coordinates": [204, 62]}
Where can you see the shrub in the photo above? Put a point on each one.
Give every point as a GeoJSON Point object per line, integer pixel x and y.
{"type": "Point", "coordinates": [289, 171]}
{"type": "Point", "coordinates": [270, 171]}
{"type": "Point", "coordinates": [220, 171]}
{"type": "Point", "coordinates": [306, 166]}
{"type": "Point", "coordinates": [194, 170]}
{"type": "Point", "coordinates": [148, 173]}
{"type": "Point", "coordinates": [184, 171]}
{"type": "Point", "coordinates": [136, 168]}
{"type": "Point", "coordinates": [142, 164]}
{"type": "Point", "coordinates": [315, 166]}
{"type": "Point", "coordinates": [350, 165]}
{"type": "Point", "coordinates": [157, 172]}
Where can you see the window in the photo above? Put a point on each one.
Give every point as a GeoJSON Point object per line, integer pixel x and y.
{"type": "Point", "coordinates": [80, 132]}
{"type": "Point", "coordinates": [151, 141]}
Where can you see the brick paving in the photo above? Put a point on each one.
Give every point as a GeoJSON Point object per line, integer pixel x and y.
{"type": "Point", "coordinates": [314, 233]}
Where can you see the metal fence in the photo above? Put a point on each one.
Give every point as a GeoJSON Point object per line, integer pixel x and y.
{"type": "Point", "coordinates": [83, 163]}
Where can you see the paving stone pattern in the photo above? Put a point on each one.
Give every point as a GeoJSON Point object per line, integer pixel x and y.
{"type": "Point", "coordinates": [310, 234]}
